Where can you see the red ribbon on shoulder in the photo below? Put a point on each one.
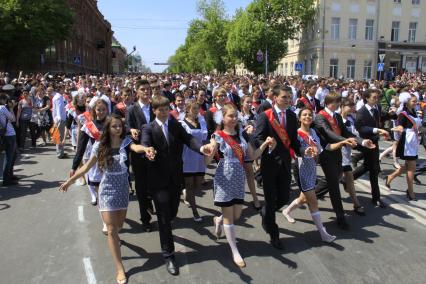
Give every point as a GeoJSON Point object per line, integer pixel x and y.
{"type": "Point", "coordinates": [332, 121]}
{"type": "Point", "coordinates": [404, 113]}
{"type": "Point", "coordinates": [307, 103]}
{"type": "Point", "coordinates": [281, 132]}
{"type": "Point", "coordinates": [93, 130]}
{"type": "Point", "coordinates": [236, 148]}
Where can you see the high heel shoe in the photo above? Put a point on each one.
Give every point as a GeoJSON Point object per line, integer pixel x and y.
{"type": "Point", "coordinates": [409, 197]}
{"type": "Point", "coordinates": [387, 183]}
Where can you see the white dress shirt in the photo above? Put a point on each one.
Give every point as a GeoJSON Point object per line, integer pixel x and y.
{"type": "Point", "coordinates": [370, 110]}
{"type": "Point", "coordinates": [58, 109]}
{"type": "Point", "coordinates": [279, 111]}
{"type": "Point", "coordinates": [145, 111]}
{"type": "Point", "coordinates": [164, 126]}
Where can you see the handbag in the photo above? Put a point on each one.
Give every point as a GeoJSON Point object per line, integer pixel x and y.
{"type": "Point", "coordinates": [55, 135]}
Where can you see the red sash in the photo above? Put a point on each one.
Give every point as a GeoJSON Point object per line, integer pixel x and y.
{"type": "Point", "coordinates": [236, 148]}
{"type": "Point", "coordinates": [213, 109]}
{"type": "Point", "coordinates": [404, 113]}
{"type": "Point", "coordinates": [281, 132]}
{"type": "Point", "coordinates": [121, 107]}
{"type": "Point", "coordinates": [332, 121]}
{"type": "Point", "coordinates": [202, 111]}
{"type": "Point", "coordinates": [175, 114]}
{"type": "Point", "coordinates": [307, 103]}
{"type": "Point", "coordinates": [91, 127]}
{"type": "Point", "coordinates": [307, 138]}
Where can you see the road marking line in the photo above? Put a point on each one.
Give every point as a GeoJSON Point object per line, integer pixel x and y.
{"type": "Point", "coordinates": [90, 275]}
{"type": "Point", "coordinates": [80, 214]}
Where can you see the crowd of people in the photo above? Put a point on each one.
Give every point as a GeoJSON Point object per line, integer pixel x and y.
{"type": "Point", "coordinates": [260, 130]}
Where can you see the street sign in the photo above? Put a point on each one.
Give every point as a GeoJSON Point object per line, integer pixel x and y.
{"type": "Point", "coordinates": [382, 57]}
{"type": "Point", "coordinates": [259, 56]}
{"type": "Point", "coordinates": [298, 66]}
{"type": "Point", "coordinates": [77, 60]}
{"type": "Point", "coordinates": [380, 67]}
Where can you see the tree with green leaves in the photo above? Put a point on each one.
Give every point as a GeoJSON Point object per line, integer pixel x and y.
{"type": "Point", "coordinates": [204, 49]}
{"type": "Point", "coordinates": [266, 25]}
{"type": "Point", "coordinates": [27, 27]}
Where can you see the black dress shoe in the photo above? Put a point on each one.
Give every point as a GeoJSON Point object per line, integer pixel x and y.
{"type": "Point", "coordinates": [147, 227]}
{"type": "Point", "coordinates": [417, 181]}
{"type": "Point", "coordinates": [342, 224]}
{"type": "Point", "coordinates": [15, 178]}
{"type": "Point", "coordinates": [379, 203]}
{"type": "Point", "coordinates": [171, 266]}
{"type": "Point", "coordinates": [276, 243]}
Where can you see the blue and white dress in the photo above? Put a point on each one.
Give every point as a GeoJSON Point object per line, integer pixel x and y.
{"type": "Point", "coordinates": [193, 162]}
{"type": "Point", "coordinates": [308, 165]}
{"type": "Point", "coordinates": [230, 179]}
{"type": "Point", "coordinates": [114, 186]}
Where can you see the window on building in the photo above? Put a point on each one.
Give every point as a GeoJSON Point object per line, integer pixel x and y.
{"type": "Point", "coordinates": [397, 1]}
{"type": "Point", "coordinates": [291, 68]}
{"type": "Point", "coordinates": [334, 68]}
{"type": "Point", "coordinates": [395, 31]}
{"type": "Point", "coordinates": [353, 23]}
{"type": "Point", "coordinates": [412, 32]}
{"type": "Point", "coordinates": [367, 69]}
{"type": "Point", "coordinates": [369, 28]}
{"type": "Point", "coordinates": [415, 2]}
{"type": "Point", "coordinates": [285, 68]}
{"type": "Point", "coordinates": [351, 69]}
{"type": "Point", "coordinates": [335, 28]}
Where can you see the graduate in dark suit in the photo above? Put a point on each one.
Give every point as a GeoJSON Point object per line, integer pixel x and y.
{"type": "Point", "coordinates": [308, 100]}
{"type": "Point", "coordinates": [268, 102]}
{"type": "Point", "coordinates": [331, 129]}
{"type": "Point", "coordinates": [367, 124]}
{"type": "Point", "coordinates": [165, 173]}
{"type": "Point", "coordinates": [139, 114]}
{"type": "Point", "coordinates": [280, 123]}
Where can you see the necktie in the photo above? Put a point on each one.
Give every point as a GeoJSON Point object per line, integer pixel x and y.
{"type": "Point", "coordinates": [282, 119]}
{"type": "Point", "coordinates": [230, 97]}
{"type": "Point", "coordinates": [165, 132]}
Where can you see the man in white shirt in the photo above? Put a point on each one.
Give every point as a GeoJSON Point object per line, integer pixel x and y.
{"type": "Point", "coordinates": [59, 118]}
{"type": "Point", "coordinates": [322, 92]}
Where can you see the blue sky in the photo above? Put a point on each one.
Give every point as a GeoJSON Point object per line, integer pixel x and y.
{"type": "Point", "coordinates": [157, 28]}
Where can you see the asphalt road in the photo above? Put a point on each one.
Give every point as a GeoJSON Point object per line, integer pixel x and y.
{"type": "Point", "coordinates": [50, 237]}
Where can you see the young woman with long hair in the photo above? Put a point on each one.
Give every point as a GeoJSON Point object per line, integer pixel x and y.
{"type": "Point", "coordinates": [111, 155]}
{"type": "Point", "coordinates": [229, 180]}
{"type": "Point", "coordinates": [310, 142]}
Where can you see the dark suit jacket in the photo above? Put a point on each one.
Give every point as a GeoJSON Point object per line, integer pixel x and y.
{"type": "Point", "coordinates": [280, 155]}
{"type": "Point", "coordinates": [135, 118]}
{"type": "Point", "coordinates": [168, 164]}
{"type": "Point", "coordinates": [300, 104]}
{"type": "Point", "coordinates": [365, 124]}
{"type": "Point", "coordinates": [236, 100]}
{"type": "Point", "coordinates": [327, 135]}
{"type": "Point", "coordinates": [265, 105]}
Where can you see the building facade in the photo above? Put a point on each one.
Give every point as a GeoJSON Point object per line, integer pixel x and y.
{"type": "Point", "coordinates": [87, 49]}
{"type": "Point", "coordinates": [119, 57]}
{"type": "Point", "coordinates": [350, 37]}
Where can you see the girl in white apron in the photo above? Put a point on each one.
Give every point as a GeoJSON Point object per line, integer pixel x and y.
{"type": "Point", "coordinates": [408, 144]}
